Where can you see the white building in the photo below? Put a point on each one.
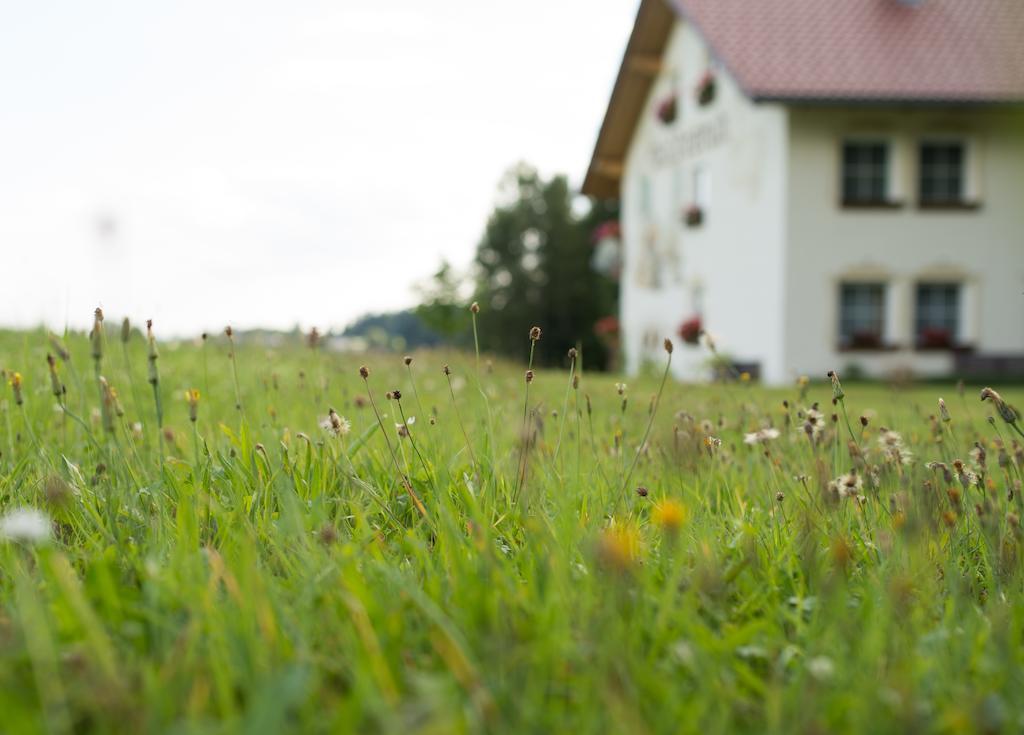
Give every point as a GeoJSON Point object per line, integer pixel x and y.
{"type": "Point", "coordinates": [823, 183]}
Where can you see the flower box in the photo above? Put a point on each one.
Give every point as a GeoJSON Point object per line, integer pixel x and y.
{"type": "Point", "coordinates": [667, 109]}
{"type": "Point", "coordinates": [691, 330]}
{"type": "Point", "coordinates": [693, 216]}
{"type": "Point", "coordinates": [706, 89]}
{"type": "Point", "coordinates": [934, 339]}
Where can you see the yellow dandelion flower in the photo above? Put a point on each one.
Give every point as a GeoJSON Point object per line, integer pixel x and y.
{"type": "Point", "coordinates": [618, 547]}
{"type": "Point", "coordinates": [670, 515]}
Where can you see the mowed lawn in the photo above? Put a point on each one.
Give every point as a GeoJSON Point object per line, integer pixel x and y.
{"type": "Point", "coordinates": [476, 553]}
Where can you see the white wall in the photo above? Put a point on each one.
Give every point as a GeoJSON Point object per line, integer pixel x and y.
{"type": "Point", "coordinates": [731, 267]}
{"type": "Point", "coordinates": [983, 248]}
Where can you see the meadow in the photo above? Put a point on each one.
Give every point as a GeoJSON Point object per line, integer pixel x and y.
{"type": "Point", "coordinates": [216, 536]}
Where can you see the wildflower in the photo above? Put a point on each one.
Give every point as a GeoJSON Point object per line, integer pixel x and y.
{"type": "Point", "coordinates": [779, 496]}
{"type": "Point", "coordinates": [364, 372]}
{"type": "Point", "coordinates": [711, 443]}
{"type": "Point", "coordinates": [618, 548]}
{"type": "Point", "coordinates": [534, 334]}
{"type": "Point", "coordinates": [337, 425]}
{"type": "Point", "coordinates": [57, 491]}
{"type": "Point", "coordinates": [889, 439]}
{"type": "Point", "coordinates": [821, 668]}
{"type": "Point", "coordinates": [55, 385]}
{"type": "Point", "coordinates": [152, 354]}
{"type": "Point", "coordinates": [944, 412]}
{"type": "Point", "coordinates": [396, 394]}
{"type": "Point", "coordinates": [966, 477]}
{"type": "Point", "coordinates": [848, 485]}
{"type": "Point", "coordinates": [96, 335]}
{"type": "Point", "coordinates": [620, 388]}
{"type": "Point", "coordinates": [642, 491]}
{"type": "Point", "coordinates": [1006, 412]}
{"type": "Point", "coordinates": [761, 436]}
{"type": "Point", "coordinates": [192, 397]}
{"type": "Point", "coordinates": [474, 307]}
{"type": "Point", "coordinates": [837, 387]}
{"type": "Point", "coordinates": [668, 345]}
{"type": "Point", "coordinates": [572, 354]}
{"type": "Point", "coordinates": [529, 376]}
{"type": "Point", "coordinates": [978, 455]}
{"type": "Point", "coordinates": [15, 382]}
{"type": "Point", "coordinates": [947, 476]}
{"type": "Point", "coordinates": [59, 348]}
{"type": "Point", "coordinates": [403, 428]}
{"type": "Point", "coordinates": [407, 360]}
{"type": "Point", "coordinates": [669, 515]}
{"type": "Point", "coordinates": [814, 422]}
{"type": "Point", "coordinates": [25, 525]}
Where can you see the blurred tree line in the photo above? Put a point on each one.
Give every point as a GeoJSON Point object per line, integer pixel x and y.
{"type": "Point", "coordinates": [532, 267]}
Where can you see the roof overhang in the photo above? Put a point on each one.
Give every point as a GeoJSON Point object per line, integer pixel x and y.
{"type": "Point", "coordinates": [640, 66]}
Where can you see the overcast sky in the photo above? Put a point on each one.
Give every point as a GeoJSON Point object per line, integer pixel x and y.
{"type": "Point", "coordinates": [263, 163]}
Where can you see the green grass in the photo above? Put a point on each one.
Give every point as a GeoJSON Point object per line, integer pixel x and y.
{"type": "Point", "coordinates": [253, 572]}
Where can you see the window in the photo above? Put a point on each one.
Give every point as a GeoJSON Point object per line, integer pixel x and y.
{"type": "Point", "coordinates": [937, 315]}
{"type": "Point", "coordinates": [865, 172]}
{"type": "Point", "coordinates": [861, 315]}
{"type": "Point", "coordinates": [941, 170]}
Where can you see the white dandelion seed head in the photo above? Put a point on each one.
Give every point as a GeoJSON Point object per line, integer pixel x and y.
{"type": "Point", "coordinates": [761, 436]}
{"type": "Point", "coordinates": [25, 525]}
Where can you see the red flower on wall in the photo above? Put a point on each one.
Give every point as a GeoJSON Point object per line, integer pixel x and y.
{"type": "Point", "coordinates": [706, 89]}
{"type": "Point", "coordinates": [691, 330]}
{"type": "Point", "coordinates": [607, 326]}
{"type": "Point", "coordinates": [667, 109]}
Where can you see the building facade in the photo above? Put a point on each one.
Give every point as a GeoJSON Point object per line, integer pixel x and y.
{"type": "Point", "coordinates": [811, 210]}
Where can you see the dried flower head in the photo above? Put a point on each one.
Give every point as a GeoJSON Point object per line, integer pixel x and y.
{"type": "Point", "coordinates": [534, 334]}
{"type": "Point", "coordinates": [529, 376]}
{"type": "Point", "coordinates": [364, 372]}
{"type": "Point", "coordinates": [474, 308]}
{"type": "Point", "coordinates": [96, 335]}
{"type": "Point", "coordinates": [944, 412]}
{"type": "Point", "coordinates": [1006, 412]}
{"type": "Point", "coordinates": [837, 387]}
{"type": "Point", "coordinates": [407, 360]}
{"type": "Point", "coordinates": [668, 345]}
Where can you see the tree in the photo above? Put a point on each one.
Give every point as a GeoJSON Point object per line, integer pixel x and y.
{"type": "Point", "coordinates": [442, 308]}
{"type": "Point", "coordinates": [533, 268]}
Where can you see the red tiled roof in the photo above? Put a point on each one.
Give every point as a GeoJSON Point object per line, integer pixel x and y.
{"type": "Point", "coordinates": [874, 51]}
{"type": "Point", "coordinates": [929, 50]}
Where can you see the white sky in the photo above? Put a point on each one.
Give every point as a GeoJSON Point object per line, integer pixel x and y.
{"type": "Point", "coordinates": [275, 163]}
